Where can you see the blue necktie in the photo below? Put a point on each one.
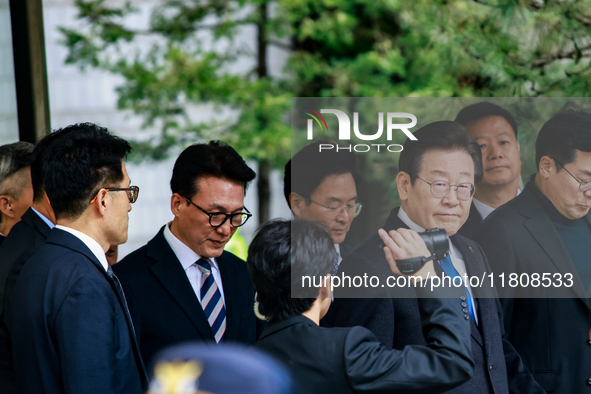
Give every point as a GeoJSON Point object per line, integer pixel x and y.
{"type": "Point", "coordinates": [336, 264]}
{"type": "Point", "coordinates": [211, 301]}
{"type": "Point", "coordinates": [451, 271]}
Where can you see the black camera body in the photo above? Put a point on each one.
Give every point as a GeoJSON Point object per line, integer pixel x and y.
{"type": "Point", "coordinates": [437, 243]}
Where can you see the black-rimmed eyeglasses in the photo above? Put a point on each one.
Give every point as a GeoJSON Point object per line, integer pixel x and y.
{"type": "Point", "coordinates": [133, 192]}
{"type": "Point", "coordinates": [217, 219]}
{"type": "Point", "coordinates": [439, 189]}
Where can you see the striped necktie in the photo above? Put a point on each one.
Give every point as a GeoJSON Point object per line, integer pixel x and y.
{"type": "Point", "coordinates": [211, 301]}
{"type": "Point", "coordinates": [336, 265]}
{"type": "Point", "coordinates": [451, 271]}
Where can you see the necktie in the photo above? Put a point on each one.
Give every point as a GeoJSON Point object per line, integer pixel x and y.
{"type": "Point", "coordinates": [451, 271]}
{"type": "Point", "coordinates": [336, 264]}
{"type": "Point", "coordinates": [211, 301]}
{"type": "Point", "coordinates": [121, 293]}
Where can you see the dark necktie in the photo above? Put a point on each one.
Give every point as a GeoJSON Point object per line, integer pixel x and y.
{"type": "Point", "coordinates": [121, 294]}
{"type": "Point", "coordinates": [211, 301]}
{"type": "Point", "coordinates": [336, 265]}
{"type": "Point", "coordinates": [451, 271]}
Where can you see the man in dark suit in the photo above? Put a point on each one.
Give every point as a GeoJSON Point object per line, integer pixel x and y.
{"type": "Point", "coordinates": [495, 131]}
{"type": "Point", "coordinates": [70, 328]}
{"type": "Point", "coordinates": [436, 185]}
{"type": "Point", "coordinates": [182, 286]}
{"type": "Point", "coordinates": [25, 238]}
{"type": "Point", "coordinates": [321, 186]}
{"type": "Point", "coordinates": [348, 360]}
{"type": "Point", "coordinates": [545, 232]}
{"type": "Point", "coordinates": [16, 192]}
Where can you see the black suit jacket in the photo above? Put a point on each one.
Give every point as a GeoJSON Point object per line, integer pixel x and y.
{"type": "Point", "coordinates": [396, 321]}
{"type": "Point", "coordinates": [164, 307]}
{"type": "Point", "coordinates": [551, 334]}
{"type": "Point", "coordinates": [351, 360]}
{"type": "Point", "coordinates": [25, 238]}
{"type": "Point", "coordinates": [2, 238]}
{"type": "Point", "coordinates": [70, 329]}
{"type": "Point", "coordinates": [473, 221]}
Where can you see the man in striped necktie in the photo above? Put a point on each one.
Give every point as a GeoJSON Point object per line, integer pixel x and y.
{"type": "Point", "coordinates": [182, 286]}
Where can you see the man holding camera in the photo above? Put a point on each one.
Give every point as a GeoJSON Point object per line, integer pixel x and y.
{"type": "Point", "coordinates": [436, 186]}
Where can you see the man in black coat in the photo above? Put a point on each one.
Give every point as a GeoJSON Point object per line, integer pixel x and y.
{"type": "Point", "coordinates": [348, 360]}
{"type": "Point", "coordinates": [182, 286]}
{"type": "Point", "coordinates": [436, 185]}
{"type": "Point", "coordinates": [70, 329]}
{"type": "Point", "coordinates": [545, 233]}
{"type": "Point", "coordinates": [495, 130]}
{"type": "Point", "coordinates": [26, 237]}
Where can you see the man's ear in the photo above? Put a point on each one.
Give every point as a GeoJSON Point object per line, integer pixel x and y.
{"type": "Point", "coordinates": [546, 166]}
{"type": "Point", "coordinates": [403, 184]}
{"type": "Point", "coordinates": [101, 201]}
{"type": "Point", "coordinates": [6, 206]}
{"type": "Point", "coordinates": [176, 203]}
{"type": "Point", "coordinates": [297, 203]}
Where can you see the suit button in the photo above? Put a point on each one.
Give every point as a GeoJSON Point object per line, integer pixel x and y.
{"type": "Point", "coordinates": [490, 366]}
{"type": "Point", "coordinates": [465, 310]}
{"type": "Point", "coordinates": [463, 298]}
{"type": "Point", "coordinates": [466, 316]}
{"type": "Point", "coordinates": [589, 342]}
{"type": "Point", "coordinates": [589, 381]}
{"type": "Point", "coordinates": [464, 304]}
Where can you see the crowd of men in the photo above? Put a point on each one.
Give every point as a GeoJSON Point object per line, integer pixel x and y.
{"type": "Point", "coordinates": [74, 321]}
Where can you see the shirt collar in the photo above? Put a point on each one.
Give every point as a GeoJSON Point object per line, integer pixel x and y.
{"type": "Point", "coordinates": [406, 220]}
{"type": "Point", "coordinates": [186, 255]}
{"type": "Point", "coordinates": [47, 221]}
{"type": "Point", "coordinates": [94, 246]}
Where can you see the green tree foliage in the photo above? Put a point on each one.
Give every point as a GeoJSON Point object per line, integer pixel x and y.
{"type": "Point", "coordinates": [350, 48]}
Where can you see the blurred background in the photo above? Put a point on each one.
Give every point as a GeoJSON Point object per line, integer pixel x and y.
{"type": "Point", "coordinates": [165, 74]}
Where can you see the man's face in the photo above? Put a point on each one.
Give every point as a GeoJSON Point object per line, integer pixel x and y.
{"type": "Point", "coordinates": [450, 213]}
{"type": "Point", "coordinates": [563, 190]}
{"type": "Point", "coordinates": [335, 191]}
{"type": "Point", "coordinates": [191, 225]}
{"type": "Point", "coordinates": [500, 150]}
{"type": "Point", "coordinates": [118, 219]}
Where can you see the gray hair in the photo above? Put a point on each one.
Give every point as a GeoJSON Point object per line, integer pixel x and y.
{"type": "Point", "coordinates": [13, 158]}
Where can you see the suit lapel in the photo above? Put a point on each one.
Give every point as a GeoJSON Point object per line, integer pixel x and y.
{"type": "Point", "coordinates": [35, 222]}
{"type": "Point", "coordinates": [231, 298]}
{"type": "Point", "coordinates": [543, 231]}
{"type": "Point", "coordinates": [169, 271]}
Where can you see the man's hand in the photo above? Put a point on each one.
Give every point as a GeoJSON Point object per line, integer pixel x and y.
{"type": "Point", "coordinates": [403, 244]}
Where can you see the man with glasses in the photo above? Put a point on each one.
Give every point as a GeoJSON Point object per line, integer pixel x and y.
{"type": "Point", "coordinates": [545, 233]}
{"type": "Point", "coordinates": [321, 186]}
{"type": "Point", "coordinates": [436, 185]}
{"type": "Point", "coordinates": [71, 330]}
{"type": "Point", "coordinates": [182, 286]}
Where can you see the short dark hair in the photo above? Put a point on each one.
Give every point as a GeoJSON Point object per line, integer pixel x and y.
{"type": "Point", "coordinates": [214, 158]}
{"type": "Point", "coordinates": [442, 135]}
{"type": "Point", "coordinates": [562, 135]}
{"type": "Point", "coordinates": [482, 110]}
{"type": "Point", "coordinates": [282, 250]}
{"type": "Point", "coordinates": [307, 169]}
{"type": "Point", "coordinates": [13, 158]}
{"type": "Point", "coordinates": [86, 158]}
{"type": "Point", "coordinates": [39, 156]}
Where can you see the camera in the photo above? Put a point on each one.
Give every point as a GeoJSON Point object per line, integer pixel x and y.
{"type": "Point", "coordinates": [437, 243]}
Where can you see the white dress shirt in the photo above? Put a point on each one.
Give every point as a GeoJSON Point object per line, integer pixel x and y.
{"type": "Point", "coordinates": [485, 210]}
{"type": "Point", "coordinates": [94, 246]}
{"type": "Point", "coordinates": [456, 257]}
{"type": "Point", "coordinates": [47, 221]}
{"type": "Point", "coordinates": [188, 258]}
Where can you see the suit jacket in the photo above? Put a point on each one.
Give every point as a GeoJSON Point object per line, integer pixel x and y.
{"type": "Point", "coordinates": [2, 238]}
{"type": "Point", "coordinates": [551, 334]}
{"type": "Point", "coordinates": [164, 307]}
{"type": "Point", "coordinates": [473, 221]}
{"type": "Point", "coordinates": [70, 326]}
{"type": "Point", "coordinates": [26, 237]}
{"type": "Point", "coordinates": [351, 360]}
{"type": "Point", "coordinates": [396, 321]}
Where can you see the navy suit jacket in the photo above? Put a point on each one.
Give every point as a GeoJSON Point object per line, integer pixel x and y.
{"type": "Point", "coordinates": [25, 238]}
{"type": "Point", "coordinates": [70, 329]}
{"type": "Point", "coordinates": [551, 333]}
{"type": "Point", "coordinates": [164, 307]}
{"type": "Point", "coordinates": [396, 321]}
